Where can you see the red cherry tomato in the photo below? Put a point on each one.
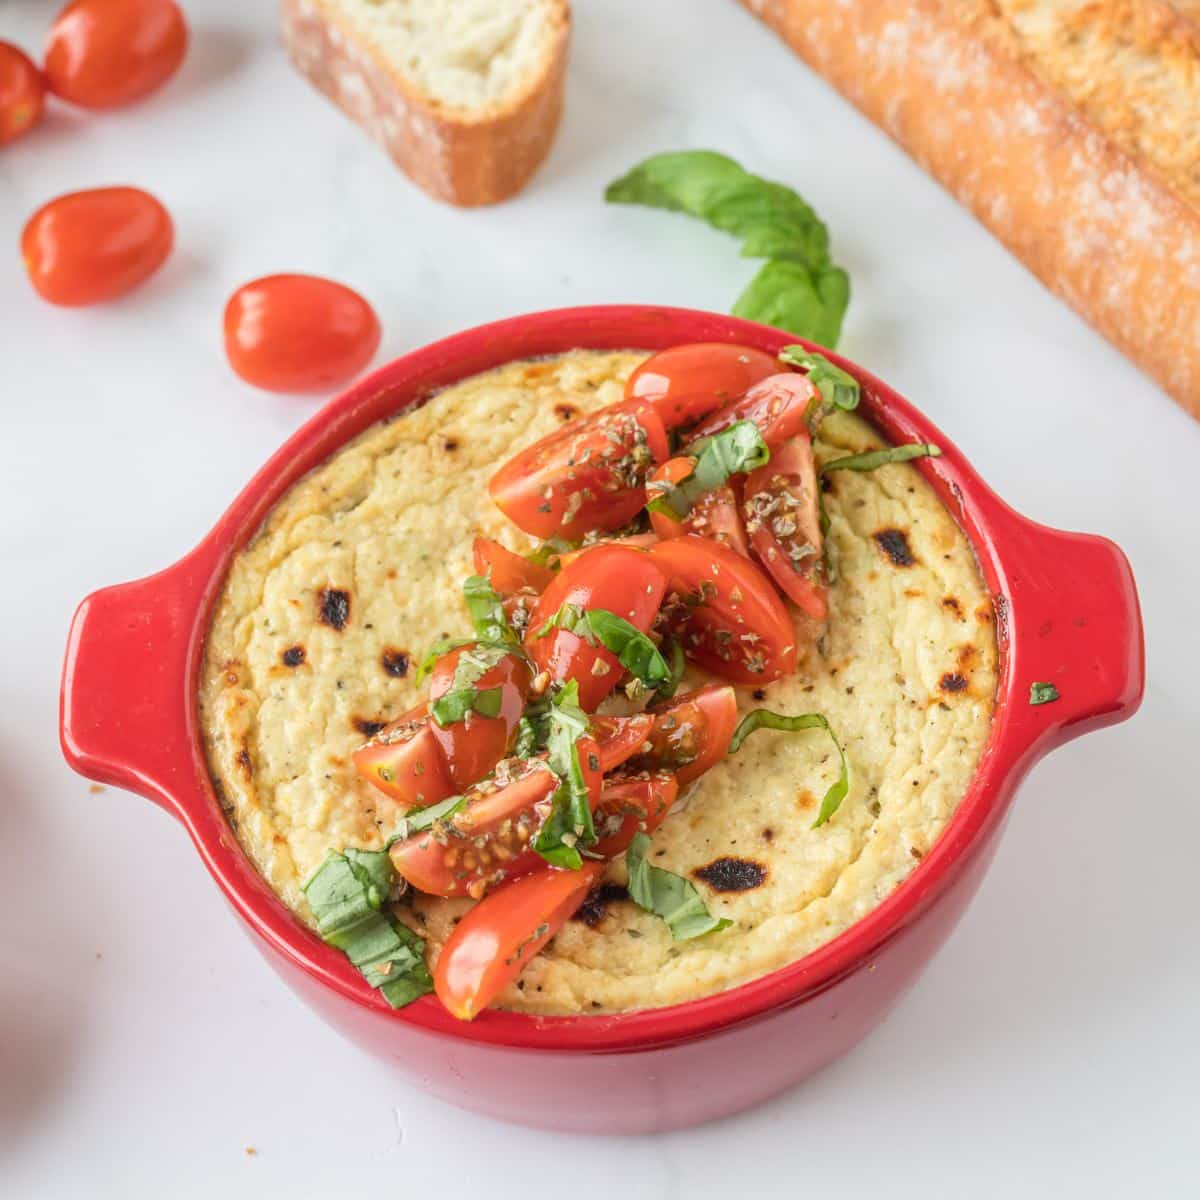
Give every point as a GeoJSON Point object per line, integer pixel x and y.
{"type": "Point", "coordinates": [492, 943]}
{"type": "Point", "coordinates": [405, 761]}
{"type": "Point", "coordinates": [714, 516]}
{"type": "Point", "coordinates": [88, 247]}
{"type": "Point", "coordinates": [778, 406]}
{"type": "Point", "coordinates": [629, 806]}
{"type": "Point", "coordinates": [634, 541]}
{"type": "Point", "coordinates": [619, 738]}
{"type": "Point", "coordinates": [686, 383]}
{"type": "Point", "coordinates": [784, 523]}
{"type": "Point", "coordinates": [474, 745]}
{"type": "Point", "coordinates": [299, 333]}
{"type": "Point", "coordinates": [586, 476]}
{"type": "Point", "coordinates": [623, 581]}
{"type": "Point", "coordinates": [690, 734]}
{"type": "Point", "coordinates": [724, 611]}
{"type": "Point", "coordinates": [22, 93]}
{"type": "Point", "coordinates": [510, 573]}
{"type": "Point", "coordinates": [104, 53]}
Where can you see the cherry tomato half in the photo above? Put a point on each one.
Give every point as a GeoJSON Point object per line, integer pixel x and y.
{"type": "Point", "coordinates": [585, 476]}
{"type": "Point", "coordinates": [88, 247]}
{"type": "Point", "coordinates": [686, 383]}
{"type": "Point", "coordinates": [22, 93]}
{"type": "Point", "coordinates": [725, 612]}
{"type": "Point", "coordinates": [105, 53]}
{"type": "Point", "coordinates": [783, 520]}
{"type": "Point", "coordinates": [690, 734]}
{"type": "Point", "coordinates": [405, 761]}
{"type": "Point", "coordinates": [492, 943]}
{"type": "Point", "coordinates": [619, 738]}
{"type": "Point", "coordinates": [509, 572]}
{"type": "Point", "coordinates": [299, 333]}
{"type": "Point", "coordinates": [632, 805]}
{"type": "Point", "coordinates": [715, 515]}
{"type": "Point", "coordinates": [778, 406]}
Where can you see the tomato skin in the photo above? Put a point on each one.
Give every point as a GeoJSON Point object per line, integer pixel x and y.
{"type": "Point", "coordinates": [577, 480]}
{"type": "Point", "coordinates": [105, 53]}
{"type": "Point", "coordinates": [620, 738]}
{"type": "Point", "coordinates": [473, 746]}
{"type": "Point", "coordinates": [633, 541]}
{"type": "Point", "coordinates": [22, 93]}
{"type": "Point", "coordinates": [736, 625]}
{"type": "Point", "coordinates": [688, 382]}
{"type": "Point", "coordinates": [792, 554]}
{"type": "Point", "coordinates": [715, 515]}
{"type": "Point", "coordinates": [629, 806]}
{"type": "Point", "coordinates": [778, 405]}
{"type": "Point", "coordinates": [690, 734]}
{"type": "Point", "coordinates": [410, 757]}
{"type": "Point", "coordinates": [299, 333]}
{"type": "Point", "coordinates": [492, 943]}
{"type": "Point", "coordinates": [510, 573]}
{"type": "Point", "coordinates": [88, 247]}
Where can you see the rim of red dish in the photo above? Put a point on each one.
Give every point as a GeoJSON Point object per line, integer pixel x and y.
{"type": "Point", "coordinates": [1018, 734]}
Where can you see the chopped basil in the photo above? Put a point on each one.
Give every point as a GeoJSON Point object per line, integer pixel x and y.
{"type": "Point", "coordinates": [764, 718]}
{"type": "Point", "coordinates": [418, 820]}
{"type": "Point", "coordinates": [668, 895]}
{"type": "Point", "coordinates": [487, 611]}
{"type": "Point", "coordinates": [569, 824]}
{"type": "Point", "coordinates": [733, 451]}
{"type": "Point", "coordinates": [873, 459]}
{"type": "Point", "coordinates": [597, 626]}
{"type": "Point", "coordinates": [346, 895]}
{"type": "Point", "coordinates": [1042, 693]}
{"type": "Point", "coordinates": [798, 288]}
{"type": "Point", "coordinates": [526, 740]}
{"type": "Point", "coordinates": [548, 553]}
{"type": "Point", "coordinates": [838, 388]}
{"type": "Point", "coordinates": [463, 697]}
{"type": "Point", "coordinates": [677, 663]}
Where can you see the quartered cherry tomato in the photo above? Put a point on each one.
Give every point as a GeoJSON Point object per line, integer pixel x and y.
{"type": "Point", "coordinates": [588, 475]}
{"type": "Point", "coordinates": [725, 612]}
{"type": "Point", "coordinates": [104, 53]}
{"type": "Point", "coordinates": [474, 745]}
{"type": "Point", "coordinates": [22, 93]}
{"type": "Point", "coordinates": [690, 734]}
{"type": "Point", "coordinates": [632, 541]}
{"type": "Point", "coordinates": [88, 247]}
{"type": "Point", "coordinates": [623, 581]}
{"type": "Point", "coordinates": [492, 943]}
{"type": "Point", "coordinates": [509, 572]}
{"type": "Point", "coordinates": [784, 524]}
{"type": "Point", "coordinates": [686, 383]}
{"type": "Point", "coordinates": [619, 738]}
{"type": "Point", "coordinates": [715, 515]}
{"type": "Point", "coordinates": [299, 333]}
{"type": "Point", "coordinates": [406, 762]}
{"type": "Point", "coordinates": [778, 406]}
{"type": "Point", "coordinates": [632, 805]}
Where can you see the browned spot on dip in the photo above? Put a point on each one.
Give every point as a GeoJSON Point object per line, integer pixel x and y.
{"type": "Point", "coordinates": [967, 656]}
{"type": "Point", "coordinates": [368, 727]}
{"type": "Point", "coordinates": [244, 762]}
{"type": "Point", "coordinates": [952, 681]}
{"type": "Point", "coordinates": [913, 593]}
{"type": "Point", "coordinates": [565, 412]}
{"type": "Point", "coordinates": [450, 445]}
{"type": "Point", "coordinates": [894, 545]}
{"type": "Point", "coordinates": [952, 604]}
{"type": "Point", "coordinates": [333, 606]}
{"type": "Point", "coordinates": [595, 907]}
{"type": "Point", "coordinates": [732, 874]}
{"type": "Point", "coordinates": [768, 834]}
{"type": "Point", "coordinates": [394, 662]}
{"type": "Point", "coordinates": [293, 656]}
{"type": "Point", "coordinates": [805, 799]}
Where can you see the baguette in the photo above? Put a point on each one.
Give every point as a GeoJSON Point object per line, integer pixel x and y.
{"type": "Point", "coordinates": [465, 95]}
{"type": "Point", "coordinates": [1071, 128]}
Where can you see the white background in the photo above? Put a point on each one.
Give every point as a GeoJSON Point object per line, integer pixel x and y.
{"type": "Point", "coordinates": [1050, 1050]}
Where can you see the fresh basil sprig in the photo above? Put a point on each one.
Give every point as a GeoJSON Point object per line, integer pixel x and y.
{"type": "Point", "coordinates": [463, 697]}
{"type": "Point", "coordinates": [873, 459]}
{"type": "Point", "coordinates": [487, 611]}
{"type": "Point", "coordinates": [599, 627]}
{"type": "Point", "coordinates": [346, 895]}
{"type": "Point", "coordinates": [798, 288]}
{"type": "Point", "coordinates": [838, 388]}
{"type": "Point", "coordinates": [668, 895]}
{"type": "Point", "coordinates": [569, 825]}
{"type": "Point", "coordinates": [764, 718]}
{"type": "Point", "coordinates": [733, 451]}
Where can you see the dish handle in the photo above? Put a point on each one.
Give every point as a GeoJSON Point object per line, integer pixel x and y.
{"type": "Point", "coordinates": [124, 710]}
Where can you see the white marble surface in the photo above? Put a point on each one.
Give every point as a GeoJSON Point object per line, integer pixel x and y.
{"type": "Point", "coordinates": [1050, 1050]}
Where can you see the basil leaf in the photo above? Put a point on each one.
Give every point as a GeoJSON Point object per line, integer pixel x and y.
{"type": "Point", "coordinates": [440, 649]}
{"type": "Point", "coordinates": [764, 718]}
{"type": "Point", "coordinates": [463, 698]}
{"type": "Point", "coordinates": [1042, 693]}
{"type": "Point", "coordinates": [597, 626]}
{"type": "Point", "coordinates": [569, 824]}
{"type": "Point", "coordinates": [548, 553]}
{"type": "Point", "coordinates": [418, 820]}
{"type": "Point", "coordinates": [873, 459]}
{"type": "Point", "coordinates": [838, 388]}
{"type": "Point", "coordinates": [668, 895]}
{"type": "Point", "coordinates": [798, 288]}
{"type": "Point", "coordinates": [677, 665]}
{"type": "Point", "coordinates": [346, 894]}
{"type": "Point", "coordinates": [733, 451]}
{"type": "Point", "coordinates": [487, 611]}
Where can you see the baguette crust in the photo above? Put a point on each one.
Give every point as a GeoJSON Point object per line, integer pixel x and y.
{"type": "Point", "coordinates": [462, 160]}
{"type": "Point", "coordinates": [1096, 217]}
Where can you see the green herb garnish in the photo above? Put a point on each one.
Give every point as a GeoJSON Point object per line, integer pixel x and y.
{"type": "Point", "coordinates": [733, 451]}
{"type": "Point", "coordinates": [487, 612]}
{"type": "Point", "coordinates": [874, 459]}
{"type": "Point", "coordinates": [798, 288]}
{"type": "Point", "coordinates": [1042, 693]}
{"type": "Point", "coordinates": [599, 627]}
{"type": "Point", "coordinates": [677, 663]}
{"type": "Point", "coordinates": [463, 697]}
{"type": "Point", "coordinates": [764, 718]}
{"type": "Point", "coordinates": [418, 820]}
{"type": "Point", "coordinates": [346, 895]}
{"type": "Point", "coordinates": [838, 388]}
{"type": "Point", "coordinates": [569, 824]}
{"type": "Point", "coordinates": [668, 895]}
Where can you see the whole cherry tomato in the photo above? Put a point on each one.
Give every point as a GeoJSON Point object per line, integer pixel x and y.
{"type": "Point", "coordinates": [686, 383]}
{"type": "Point", "coordinates": [22, 93]}
{"type": "Point", "coordinates": [299, 333]}
{"type": "Point", "coordinates": [88, 247]}
{"type": "Point", "coordinates": [105, 53]}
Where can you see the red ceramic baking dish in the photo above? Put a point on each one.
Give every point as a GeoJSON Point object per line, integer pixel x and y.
{"type": "Point", "coordinates": [1067, 613]}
